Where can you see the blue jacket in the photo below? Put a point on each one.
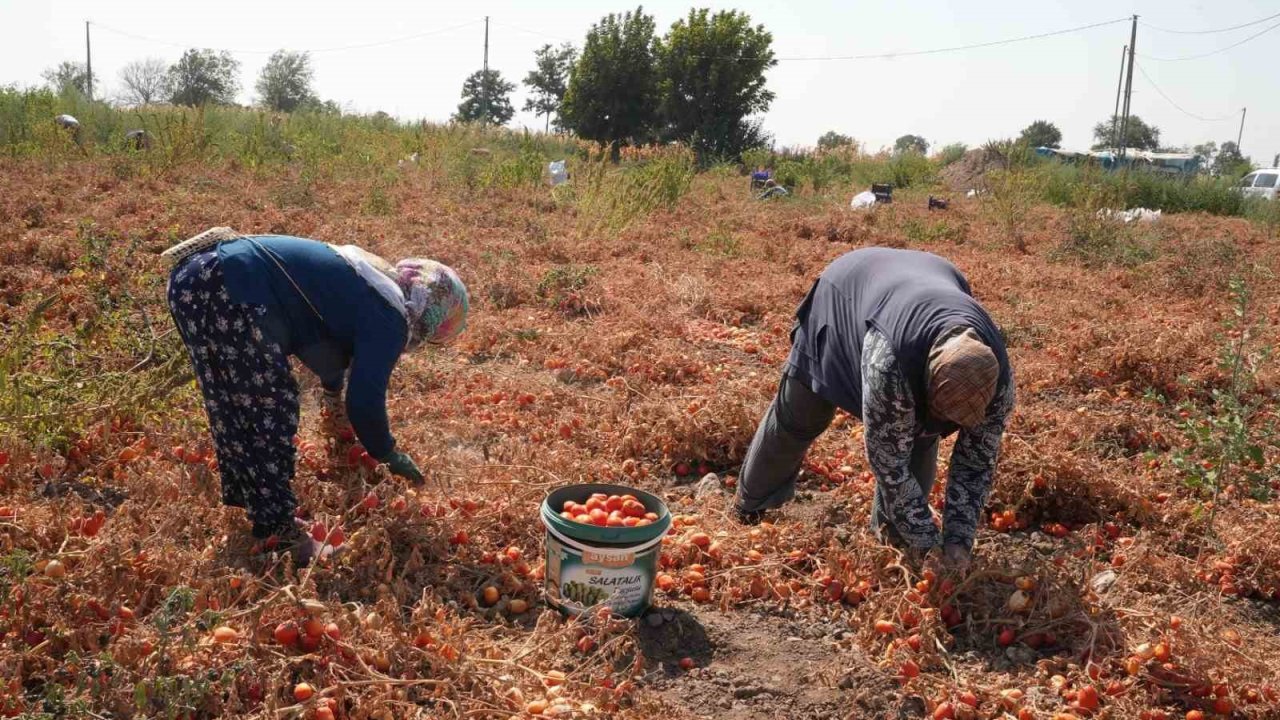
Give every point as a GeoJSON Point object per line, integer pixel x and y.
{"type": "Point", "coordinates": [351, 327]}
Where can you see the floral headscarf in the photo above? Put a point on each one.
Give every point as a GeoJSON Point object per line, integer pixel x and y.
{"type": "Point", "coordinates": [436, 300]}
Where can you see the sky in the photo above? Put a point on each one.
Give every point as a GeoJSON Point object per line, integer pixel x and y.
{"type": "Point", "coordinates": [412, 57]}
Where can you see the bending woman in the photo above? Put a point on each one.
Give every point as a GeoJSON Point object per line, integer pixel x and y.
{"type": "Point", "coordinates": [243, 305]}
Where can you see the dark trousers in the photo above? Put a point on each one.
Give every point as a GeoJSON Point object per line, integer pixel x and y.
{"type": "Point", "coordinates": [249, 391]}
{"type": "Point", "coordinates": [794, 420]}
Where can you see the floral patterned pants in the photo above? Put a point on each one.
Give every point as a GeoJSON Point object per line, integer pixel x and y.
{"type": "Point", "coordinates": [249, 391]}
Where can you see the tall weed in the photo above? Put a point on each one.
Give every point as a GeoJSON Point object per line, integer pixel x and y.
{"type": "Point", "coordinates": [1011, 195]}
{"type": "Point", "coordinates": [610, 198]}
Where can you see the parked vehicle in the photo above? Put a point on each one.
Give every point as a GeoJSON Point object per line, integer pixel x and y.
{"type": "Point", "coordinates": [1261, 183]}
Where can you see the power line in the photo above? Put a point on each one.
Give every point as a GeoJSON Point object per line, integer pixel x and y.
{"type": "Point", "coordinates": [1215, 52]}
{"type": "Point", "coordinates": [1211, 32]}
{"type": "Point", "coordinates": [957, 48]}
{"type": "Point", "coordinates": [339, 48]}
{"type": "Point", "coordinates": [532, 32]}
{"type": "Point", "coordinates": [1181, 109]}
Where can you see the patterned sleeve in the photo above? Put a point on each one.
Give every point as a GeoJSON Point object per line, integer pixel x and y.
{"type": "Point", "coordinates": [888, 412]}
{"type": "Point", "coordinates": [973, 462]}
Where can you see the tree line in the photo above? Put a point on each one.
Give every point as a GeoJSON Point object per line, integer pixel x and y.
{"type": "Point", "coordinates": [702, 83]}
{"type": "Point", "coordinates": [1224, 159]}
{"type": "Point", "coordinates": [203, 77]}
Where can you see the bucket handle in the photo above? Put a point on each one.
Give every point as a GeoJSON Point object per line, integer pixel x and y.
{"type": "Point", "coordinates": [585, 548]}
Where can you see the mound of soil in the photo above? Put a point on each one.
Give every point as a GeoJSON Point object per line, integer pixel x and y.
{"type": "Point", "coordinates": [969, 172]}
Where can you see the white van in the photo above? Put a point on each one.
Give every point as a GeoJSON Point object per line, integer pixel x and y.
{"type": "Point", "coordinates": [1261, 183]}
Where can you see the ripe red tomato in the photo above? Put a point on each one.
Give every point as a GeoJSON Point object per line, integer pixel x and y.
{"type": "Point", "coordinates": [286, 633]}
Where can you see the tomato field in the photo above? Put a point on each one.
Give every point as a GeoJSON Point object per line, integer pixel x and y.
{"type": "Point", "coordinates": [1129, 568]}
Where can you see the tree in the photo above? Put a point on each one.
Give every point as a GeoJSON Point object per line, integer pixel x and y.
{"type": "Point", "coordinates": [1206, 151]}
{"type": "Point", "coordinates": [1041, 133]}
{"type": "Point", "coordinates": [831, 140]}
{"type": "Point", "coordinates": [285, 82]}
{"type": "Point", "coordinates": [1230, 161]}
{"type": "Point", "coordinates": [549, 80]}
{"type": "Point", "coordinates": [1138, 135]}
{"type": "Point", "coordinates": [951, 153]}
{"type": "Point", "coordinates": [711, 80]}
{"type": "Point", "coordinates": [145, 81]}
{"type": "Point", "coordinates": [486, 98]}
{"type": "Point", "coordinates": [614, 85]}
{"type": "Point", "coordinates": [204, 76]}
{"type": "Point", "coordinates": [68, 75]}
{"type": "Point", "coordinates": [911, 144]}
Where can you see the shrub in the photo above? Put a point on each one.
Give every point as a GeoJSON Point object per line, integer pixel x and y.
{"type": "Point", "coordinates": [610, 197]}
{"type": "Point", "coordinates": [1011, 195]}
{"type": "Point", "coordinates": [951, 153]}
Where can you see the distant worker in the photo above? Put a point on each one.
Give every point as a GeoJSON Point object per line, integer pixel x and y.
{"type": "Point", "coordinates": [243, 305]}
{"type": "Point", "coordinates": [895, 338]}
{"type": "Point", "coordinates": [772, 189]}
{"type": "Point", "coordinates": [759, 177]}
{"type": "Point", "coordinates": [137, 140]}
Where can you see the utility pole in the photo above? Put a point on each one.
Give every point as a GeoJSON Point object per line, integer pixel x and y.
{"type": "Point", "coordinates": [1115, 116]}
{"type": "Point", "coordinates": [88, 62]}
{"type": "Point", "coordinates": [1240, 135]}
{"type": "Point", "coordinates": [484, 77]}
{"type": "Point", "coordinates": [1128, 86]}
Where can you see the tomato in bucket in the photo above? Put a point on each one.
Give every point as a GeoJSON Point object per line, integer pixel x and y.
{"type": "Point", "coordinates": [605, 554]}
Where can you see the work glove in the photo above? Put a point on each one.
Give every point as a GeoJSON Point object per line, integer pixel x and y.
{"type": "Point", "coordinates": [401, 464]}
{"type": "Point", "coordinates": [333, 414]}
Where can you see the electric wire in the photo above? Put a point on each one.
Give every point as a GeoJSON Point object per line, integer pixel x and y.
{"type": "Point", "coordinates": [340, 48]}
{"type": "Point", "coordinates": [957, 48]}
{"type": "Point", "coordinates": [1209, 32]}
{"type": "Point", "coordinates": [1212, 52]}
{"type": "Point", "coordinates": [1181, 109]}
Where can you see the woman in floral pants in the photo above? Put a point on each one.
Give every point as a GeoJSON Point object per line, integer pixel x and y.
{"type": "Point", "coordinates": [246, 304]}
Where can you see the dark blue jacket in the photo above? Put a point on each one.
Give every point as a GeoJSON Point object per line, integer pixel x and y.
{"type": "Point", "coordinates": [910, 297]}
{"type": "Point", "coordinates": [351, 326]}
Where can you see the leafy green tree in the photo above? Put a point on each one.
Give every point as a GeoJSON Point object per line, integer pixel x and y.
{"type": "Point", "coordinates": [614, 85]}
{"type": "Point", "coordinates": [285, 82]}
{"type": "Point", "coordinates": [549, 80]}
{"type": "Point", "coordinates": [145, 81]}
{"type": "Point", "coordinates": [486, 97]}
{"type": "Point", "coordinates": [68, 75]}
{"type": "Point", "coordinates": [911, 144]}
{"type": "Point", "coordinates": [1230, 161]}
{"type": "Point", "coordinates": [202, 77]}
{"type": "Point", "coordinates": [1138, 134]}
{"type": "Point", "coordinates": [323, 107]}
{"type": "Point", "coordinates": [951, 153]}
{"type": "Point", "coordinates": [1041, 133]}
{"type": "Point", "coordinates": [711, 70]}
{"type": "Point", "coordinates": [1206, 151]}
{"type": "Point", "coordinates": [832, 139]}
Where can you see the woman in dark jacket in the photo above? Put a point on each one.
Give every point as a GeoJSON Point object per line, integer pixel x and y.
{"type": "Point", "coordinates": [243, 305]}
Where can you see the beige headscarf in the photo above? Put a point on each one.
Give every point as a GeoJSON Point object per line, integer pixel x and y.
{"type": "Point", "coordinates": [962, 373]}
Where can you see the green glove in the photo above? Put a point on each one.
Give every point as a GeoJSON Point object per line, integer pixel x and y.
{"type": "Point", "coordinates": [401, 464]}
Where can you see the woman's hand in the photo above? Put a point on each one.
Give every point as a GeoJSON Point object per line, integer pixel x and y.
{"type": "Point", "coordinates": [401, 464]}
